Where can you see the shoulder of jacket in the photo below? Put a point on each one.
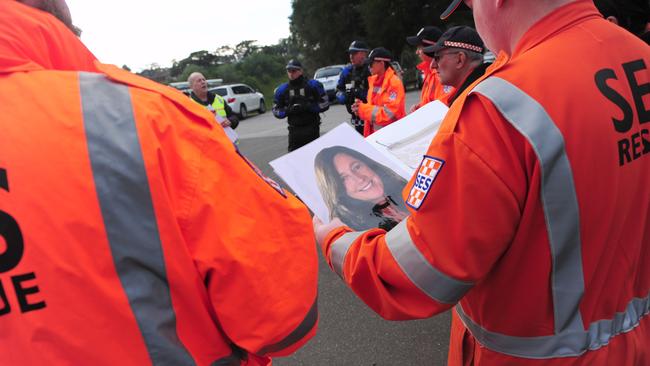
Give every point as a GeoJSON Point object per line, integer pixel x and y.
{"type": "Point", "coordinates": [281, 88]}
{"type": "Point", "coordinates": [314, 83]}
{"type": "Point", "coordinates": [124, 77]}
{"type": "Point", "coordinates": [134, 81]}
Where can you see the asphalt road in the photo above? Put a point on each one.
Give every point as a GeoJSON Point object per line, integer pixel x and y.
{"type": "Point", "coordinates": [349, 332]}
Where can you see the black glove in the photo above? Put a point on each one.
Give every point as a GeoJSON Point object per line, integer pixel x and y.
{"type": "Point", "coordinates": [349, 97]}
{"type": "Point", "coordinates": [234, 121]}
{"type": "Point", "coordinates": [295, 108]}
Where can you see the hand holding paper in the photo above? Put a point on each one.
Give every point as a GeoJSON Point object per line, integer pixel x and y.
{"type": "Point", "coordinates": [321, 230]}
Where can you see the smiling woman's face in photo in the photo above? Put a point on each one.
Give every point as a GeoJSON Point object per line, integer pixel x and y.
{"type": "Point", "coordinates": [360, 181]}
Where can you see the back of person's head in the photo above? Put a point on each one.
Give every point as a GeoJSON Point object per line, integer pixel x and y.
{"type": "Point", "coordinates": [58, 8]}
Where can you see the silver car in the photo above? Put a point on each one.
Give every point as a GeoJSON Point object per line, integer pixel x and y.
{"type": "Point", "coordinates": [329, 77]}
{"type": "Point", "coordinates": [241, 98]}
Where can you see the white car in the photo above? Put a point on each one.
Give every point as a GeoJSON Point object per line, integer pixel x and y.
{"type": "Point", "coordinates": [241, 98]}
{"type": "Point", "coordinates": [329, 77]}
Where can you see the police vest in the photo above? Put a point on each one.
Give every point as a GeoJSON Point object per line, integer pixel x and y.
{"type": "Point", "coordinates": [358, 83]}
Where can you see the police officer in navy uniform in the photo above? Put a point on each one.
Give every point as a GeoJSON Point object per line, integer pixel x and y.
{"type": "Point", "coordinates": [300, 100]}
{"type": "Point", "coordinates": [353, 81]}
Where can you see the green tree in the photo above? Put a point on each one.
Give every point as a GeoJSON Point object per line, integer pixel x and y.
{"type": "Point", "coordinates": [323, 30]}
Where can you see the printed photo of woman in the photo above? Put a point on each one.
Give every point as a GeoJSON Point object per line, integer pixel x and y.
{"type": "Point", "coordinates": [359, 191]}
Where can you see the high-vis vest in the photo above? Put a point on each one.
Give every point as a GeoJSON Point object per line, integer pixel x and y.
{"type": "Point", "coordinates": [133, 232]}
{"type": "Point", "coordinates": [219, 105]}
{"type": "Point", "coordinates": [432, 87]}
{"type": "Point", "coordinates": [385, 102]}
{"type": "Point", "coordinates": [531, 208]}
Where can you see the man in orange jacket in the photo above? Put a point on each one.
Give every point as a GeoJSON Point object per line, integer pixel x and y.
{"type": "Point", "coordinates": [123, 239]}
{"type": "Point", "coordinates": [385, 93]}
{"type": "Point", "coordinates": [458, 59]}
{"type": "Point", "coordinates": [530, 210]}
{"type": "Point", "coordinates": [432, 87]}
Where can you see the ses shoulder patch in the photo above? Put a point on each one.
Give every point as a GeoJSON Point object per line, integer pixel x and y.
{"type": "Point", "coordinates": [427, 173]}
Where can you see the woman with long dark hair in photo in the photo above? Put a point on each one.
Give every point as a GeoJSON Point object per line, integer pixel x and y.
{"type": "Point", "coordinates": [359, 191]}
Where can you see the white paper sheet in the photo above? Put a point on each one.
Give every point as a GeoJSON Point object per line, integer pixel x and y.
{"type": "Point", "coordinates": [408, 139]}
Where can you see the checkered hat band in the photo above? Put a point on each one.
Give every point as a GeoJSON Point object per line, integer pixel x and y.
{"type": "Point", "coordinates": [466, 46]}
{"type": "Point", "coordinates": [381, 59]}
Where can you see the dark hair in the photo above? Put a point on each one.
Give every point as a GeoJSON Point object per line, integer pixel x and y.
{"type": "Point", "coordinates": [357, 214]}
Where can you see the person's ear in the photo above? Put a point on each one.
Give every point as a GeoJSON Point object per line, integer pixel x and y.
{"type": "Point", "coordinates": [462, 59]}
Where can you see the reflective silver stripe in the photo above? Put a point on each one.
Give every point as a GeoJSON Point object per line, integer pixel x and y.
{"type": "Point", "coordinates": [417, 268]}
{"type": "Point", "coordinates": [324, 102]}
{"type": "Point", "coordinates": [388, 112]}
{"type": "Point", "coordinates": [340, 249]}
{"type": "Point", "coordinates": [566, 344]}
{"type": "Point", "coordinates": [558, 195]}
{"type": "Point", "coordinates": [373, 117]}
{"type": "Point", "coordinates": [120, 179]}
{"type": "Point", "coordinates": [299, 333]}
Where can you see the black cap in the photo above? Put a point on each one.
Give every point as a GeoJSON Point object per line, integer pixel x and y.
{"type": "Point", "coordinates": [357, 46]}
{"type": "Point", "coordinates": [379, 54]}
{"type": "Point", "coordinates": [450, 9]}
{"type": "Point", "coordinates": [294, 65]}
{"type": "Point", "coordinates": [462, 37]}
{"type": "Point", "coordinates": [427, 36]}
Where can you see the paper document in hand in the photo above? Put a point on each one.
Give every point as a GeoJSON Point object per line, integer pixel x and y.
{"type": "Point", "coordinates": [408, 139]}
{"type": "Point", "coordinates": [341, 175]}
{"type": "Point", "coordinates": [232, 135]}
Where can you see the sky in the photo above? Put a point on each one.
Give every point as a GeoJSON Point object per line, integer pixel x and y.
{"type": "Point", "coordinates": [138, 33]}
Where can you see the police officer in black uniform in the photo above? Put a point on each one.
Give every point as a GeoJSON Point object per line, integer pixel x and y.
{"type": "Point", "coordinates": [300, 100]}
{"type": "Point", "coordinates": [353, 81]}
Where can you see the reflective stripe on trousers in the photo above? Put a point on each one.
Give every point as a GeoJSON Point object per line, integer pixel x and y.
{"type": "Point", "coordinates": [127, 210]}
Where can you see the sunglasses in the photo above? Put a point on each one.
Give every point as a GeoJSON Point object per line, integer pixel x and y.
{"type": "Point", "coordinates": [438, 56]}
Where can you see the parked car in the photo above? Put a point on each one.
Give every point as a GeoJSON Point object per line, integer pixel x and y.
{"type": "Point", "coordinates": [184, 86]}
{"type": "Point", "coordinates": [241, 98]}
{"type": "Point", "coordinates": [329, 77]}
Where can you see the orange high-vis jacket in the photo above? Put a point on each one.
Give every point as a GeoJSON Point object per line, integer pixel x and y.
{"type": "Point", "coordinates": [385, 102]}
{"type": "Point", "coordinates": [133, 231]}
{"type": "Point", "coordinates": [432, 87]}
{"type": "Point", "coordinates": [530, 212]}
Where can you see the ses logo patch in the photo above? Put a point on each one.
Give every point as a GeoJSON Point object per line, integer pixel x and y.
{"type": "Point", "coordinates": [427, 173]}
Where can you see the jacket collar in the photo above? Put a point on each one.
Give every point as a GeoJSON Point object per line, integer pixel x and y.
{"type": "Point", "coordinates": [555, 22]}
{"type": "Point", "coordinates": [387, 76]}
{"type": "Point", "coordinates": [476, 74]}
{"type": "Point", "coordinates": [425, 67]}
